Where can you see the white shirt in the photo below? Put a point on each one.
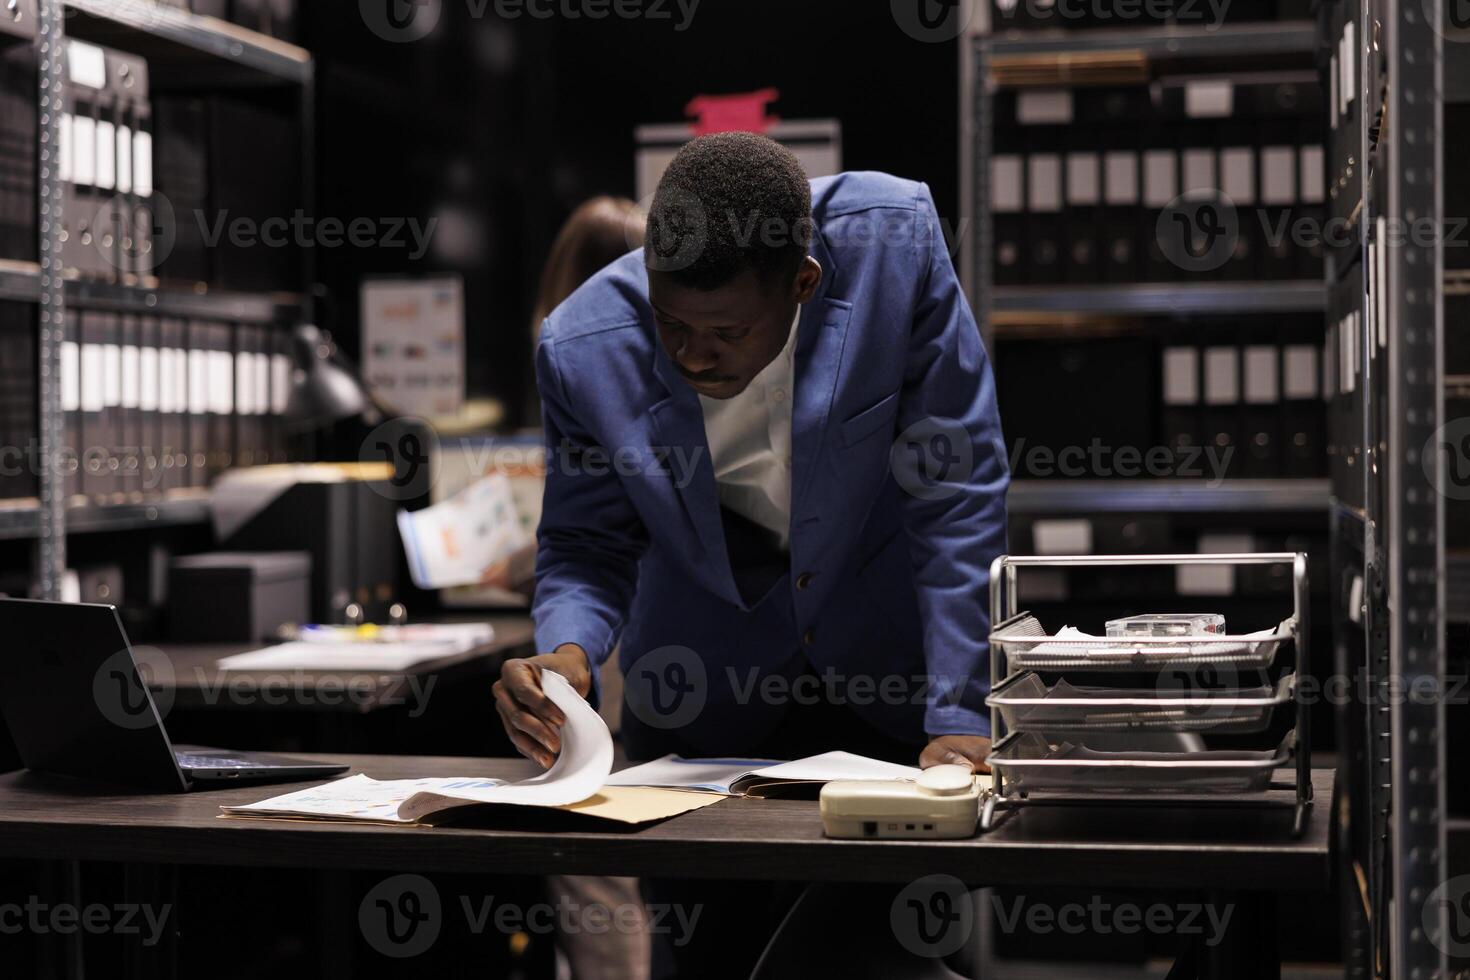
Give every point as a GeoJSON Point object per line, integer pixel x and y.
{"type": "Point", "coordinates": [750, 443]}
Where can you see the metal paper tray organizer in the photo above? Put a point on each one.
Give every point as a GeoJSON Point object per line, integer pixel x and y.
{"type": "Point", "coordinates": [1042, 722]}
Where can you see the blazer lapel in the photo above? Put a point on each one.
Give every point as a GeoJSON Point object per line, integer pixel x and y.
{"type": "Point", "coordinates": [678, 422]}
{"type": "Point", "coordinates": [821, 338]}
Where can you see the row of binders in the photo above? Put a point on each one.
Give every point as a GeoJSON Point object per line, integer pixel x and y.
{"type": "Point", "coordinates": [154, 403]}
{"type": "Point", "coordinates": [105, 161]}
{"type": "Point", "coordinates": [1081, 180]}
{"type": "Point", "coordinates": [1262, 402]}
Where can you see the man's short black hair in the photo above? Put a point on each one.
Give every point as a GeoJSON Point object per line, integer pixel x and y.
{"type": "Point", "coordinates": [727, 203]}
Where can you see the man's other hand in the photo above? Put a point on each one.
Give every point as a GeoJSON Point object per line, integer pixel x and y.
{"type": "Point", "coordinates": [530, 718]}
{"type": "Point", "coordinates": [963, 750]}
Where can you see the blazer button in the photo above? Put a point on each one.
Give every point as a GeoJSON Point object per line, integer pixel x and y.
{"type": "Point", "coordinates": [803, 580]}
{"type": "Point", "coordinates": [808, 637]}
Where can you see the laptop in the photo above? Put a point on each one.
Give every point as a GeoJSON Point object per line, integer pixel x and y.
{"type": "Point", "coordinates": [75, 703]}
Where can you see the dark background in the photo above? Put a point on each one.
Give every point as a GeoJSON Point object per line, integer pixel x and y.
{"type": "Point", "coordinates": [502, 127]}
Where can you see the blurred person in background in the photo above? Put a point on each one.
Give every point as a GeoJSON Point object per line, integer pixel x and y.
{"type": "Point", "coordinates": [597, 232]}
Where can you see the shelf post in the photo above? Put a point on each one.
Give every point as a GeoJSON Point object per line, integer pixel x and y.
{"type": "Point", "coordinates": [51, 543]}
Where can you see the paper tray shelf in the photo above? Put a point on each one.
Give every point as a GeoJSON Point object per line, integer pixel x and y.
{"type": "Point", "coordinates": [1026, 649]}
{"type": "Point", "coordinates": [1033, 764]}
{"type": "Point", "coordinates": [1028, 704]}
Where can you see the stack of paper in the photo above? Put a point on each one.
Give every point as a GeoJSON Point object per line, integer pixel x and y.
{"type": "Point", "coordinates": [574, 783]}
{"type": "Point", "coordinates": [756, 777]}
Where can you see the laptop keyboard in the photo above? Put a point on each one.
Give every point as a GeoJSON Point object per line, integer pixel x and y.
{"type": "Point", "coordinates": [190, 761]}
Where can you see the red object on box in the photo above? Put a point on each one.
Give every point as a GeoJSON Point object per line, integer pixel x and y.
{"type": "Point", "coordinates": [744, 112]}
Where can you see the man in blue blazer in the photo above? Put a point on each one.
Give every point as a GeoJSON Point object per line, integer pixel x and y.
{"type": "Point", "coordinates": [775, 475]}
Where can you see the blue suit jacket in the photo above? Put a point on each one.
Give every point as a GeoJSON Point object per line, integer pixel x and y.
{"type": "Point", "coordinates": [898, 494]}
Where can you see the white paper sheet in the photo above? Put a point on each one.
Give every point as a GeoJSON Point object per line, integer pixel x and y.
{"type": "Point", "coordinates": [674, 772]}
{"type": "Point", "coordinates": [302, 655]}
{"type": "Point", "coordinates": [579, 772]}
{"type": "Point", "coordinates": [732, 775]}
{"type": "Point", "coordinates": [837, 765]}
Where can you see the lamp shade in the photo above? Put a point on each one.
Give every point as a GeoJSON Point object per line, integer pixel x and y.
{"type": "Point", "coordinates": [323, 389]}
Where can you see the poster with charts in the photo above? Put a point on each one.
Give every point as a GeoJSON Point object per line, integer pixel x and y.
{"type": "Point", "coordinates": [413, 343]}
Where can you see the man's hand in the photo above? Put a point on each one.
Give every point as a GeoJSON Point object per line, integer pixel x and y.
{"type": "Point", "coordinates": [530, 718]}
{"type": "Point", "coordinates": [964, 750]}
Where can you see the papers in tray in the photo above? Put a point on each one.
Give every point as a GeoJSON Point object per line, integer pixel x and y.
{"type": "Point", "coordinates": [756, 777]}
{"type": "Point", "coordinates": [575, 782]}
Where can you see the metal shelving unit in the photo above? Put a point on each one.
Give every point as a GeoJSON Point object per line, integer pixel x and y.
{"type": "Point", "coordinates": [1388, 514]}
{"type": "Point", "coordinates": [21, 520]}
{"type": "Point", "coordinates": [21, 281]}
{"type": "Point", "coordinates": [174, 39]}
{"type": "Point", "coordinates": [184, 50]}
{"type": "Point", "coordinates": [987, 59]}
{"type": "Point", "coordinates": [1174, 496]}
{"type": "Point", "coordinates": [1146, 299]}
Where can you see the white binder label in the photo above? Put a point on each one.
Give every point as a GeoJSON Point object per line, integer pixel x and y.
{"type": "Point", "coordinates": [1312, 175]}
{"type": "Point", "coordinates": [1209, 99]}
{"type": "Point", "coordinates": [1082, 178]}
{"type": "Point", "coordinates": [221, 382]}
{"type": "Point", "coordinates": [1160, 178]}
{"type": "Point", "coordinates": [1181, 376]}
{"type": "Point", "coordinates": [106, 155]}
{"type": "Point", "coordinates": [85, 64]}
{"type": "Point", "coordinates": [1262, 375]}
{"type": "Point", "coordinates": [1062, 537]}
{"type": "Point", "coordinates": [1005, 183]}
{"type": "Point", "coordinates": [1199, 171]}
{"type": "Point", "coordinates": [1044, 182]}
{"type": "Point", "coordinates": [198, 382]}
{"type": "Point", "coordinates": [245, 384]}
{"type": "Point", "coordinates": [181, 381]}
{"type": "Point", "coordinates": [111, 375]}
{"type": "Point", "coordinates": [84, 150]}
{"type": "Point", "coordinates": [63, 147]}
{"type": "Point", "coordinates": [143, 163]}
{"type": "Point", "coordinates": [148, 380]}
{"type": "Point", "coordinates": [71, 376]}
{"type": "Point", "coordinates": [1040, 107]}
{"type": "Point", "coordinates": [92, 381]}
{"type": "Point", "coordinates": [131, 365]}
{"type": "Point", "coordinates": [1120, 177]}
{"type": "Point", "coordinates": [124, 159]}
{"type": "Point", "coordinates": [1222, 376]}
{"type": "Point", "coordinates": [1301, 371]}
{"type": "Point", "coordinates": [280, 383]}
{"type": "Point", "coordinates": [1238, 174]}
{"type": "Point", "coordinates": [262, 383]}
{"type": "Point", "coordinates": [1278, 175]}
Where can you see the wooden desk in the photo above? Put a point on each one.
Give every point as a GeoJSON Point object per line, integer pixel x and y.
{"type": "Point", "coordinates": [189, 678]}
{"type": "Point", "coordinates": [1221, 848]}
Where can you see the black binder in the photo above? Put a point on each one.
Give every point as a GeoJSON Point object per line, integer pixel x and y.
{"type": "Point", "coordinates": [129, 472]}
{"type": "Point", "coordinates": [174, 428]}
{"type": "Point", "coordinates": [1261, 390]}
{"type": "Point", "coordinates": [1180, 416]}
{"type": "Point", "coordinates": [198, 337]}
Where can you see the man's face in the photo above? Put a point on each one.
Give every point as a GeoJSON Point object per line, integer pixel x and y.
{"type": "Point", "coordinates": [720, 339]}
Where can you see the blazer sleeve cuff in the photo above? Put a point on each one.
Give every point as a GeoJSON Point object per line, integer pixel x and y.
{"type": "Point", "coordinates": [955, 720]}
{"type": "Point", "coordinates": [554, 628]}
